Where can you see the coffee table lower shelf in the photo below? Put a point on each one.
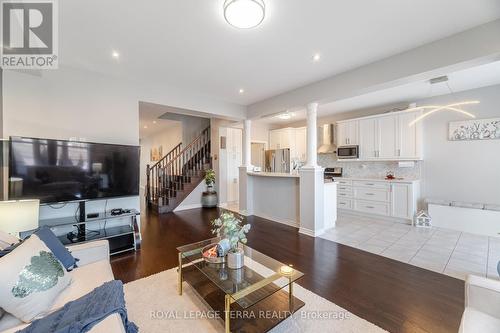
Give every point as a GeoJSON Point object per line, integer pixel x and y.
{"type": "Point", "coordinates": [249, 320]}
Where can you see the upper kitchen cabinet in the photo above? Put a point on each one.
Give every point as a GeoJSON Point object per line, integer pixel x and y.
{"type": "Point", "coordinates": [281, 138]}
{"type": "Point", "coordinates": [369, 138]}
{"type": "Point", "coordinates": [348, 133]}
{"type": "Point", "coordinates": [389, 137]}
{"type": "Point", "coordinates": [300, 144]}
{"type": "Point", "coordinates": [291, 138]}
{"type": "Point", "coordinates": [409, 136]}
{"type": "Point", "coordinates": [387, 133]}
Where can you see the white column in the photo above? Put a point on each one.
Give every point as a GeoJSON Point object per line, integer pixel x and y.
{"type": "Point", "coordinates": [247, 143]}
{"type": "Point", "coordinates": [312, 136]}
{"type": "Point", "coordinates": [246, 185]}
{"type": "Point", "coordinates": [311, 182]}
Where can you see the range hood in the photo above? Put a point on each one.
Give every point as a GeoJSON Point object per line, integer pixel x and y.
{"type": "Point", "coordinates": [326, 139]}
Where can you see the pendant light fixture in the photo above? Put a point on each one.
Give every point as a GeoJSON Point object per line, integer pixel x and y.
{"type": "Point", "coordinates": [436, 108]}
{"type": "Point", "coordinates": [244, 14]}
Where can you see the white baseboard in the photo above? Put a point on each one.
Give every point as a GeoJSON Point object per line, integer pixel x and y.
{"type": "Point", "coordinates": [186, 207]}
{"type": "Point", "coordinates": [287, 222]}
{"type": "Point", "coordinates": [312, 233]}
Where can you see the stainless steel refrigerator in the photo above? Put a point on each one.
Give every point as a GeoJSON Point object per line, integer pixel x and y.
{"type": "Point", "coordinates": [278, 160]}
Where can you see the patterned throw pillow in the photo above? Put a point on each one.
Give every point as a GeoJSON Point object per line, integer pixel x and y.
{"type": "Point", "coordinates": [32, 278]}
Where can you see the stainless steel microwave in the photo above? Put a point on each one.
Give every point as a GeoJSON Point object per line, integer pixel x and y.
{"type": "Point", "coordinates": [347, 152]}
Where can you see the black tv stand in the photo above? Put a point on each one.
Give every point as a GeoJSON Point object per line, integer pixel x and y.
{"type": "Point", "coordinates": [122, 237]}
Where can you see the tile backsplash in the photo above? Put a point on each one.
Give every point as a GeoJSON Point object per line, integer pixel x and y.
{"type": "Point", "coordinates": [374, 169]}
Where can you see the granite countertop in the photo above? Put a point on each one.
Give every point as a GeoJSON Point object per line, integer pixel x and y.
{"type": "Point", "coordinates": [273, 174]}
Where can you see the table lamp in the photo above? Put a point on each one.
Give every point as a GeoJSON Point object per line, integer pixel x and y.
{"type": "Point", "coordinates": [18, 216]}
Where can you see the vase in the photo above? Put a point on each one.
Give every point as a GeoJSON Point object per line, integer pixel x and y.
{"type": "Point", "coordinates": [235, 259]}
{"type": "Point", "coordinates": [209, 198]}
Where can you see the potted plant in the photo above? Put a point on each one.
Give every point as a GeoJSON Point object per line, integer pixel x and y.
{"type": "Point", "coordinates": [209, 198]}
{"type": "Point", "coordinates": [210, 180]}
{"type": "Point", "coordinates": [231, 228]}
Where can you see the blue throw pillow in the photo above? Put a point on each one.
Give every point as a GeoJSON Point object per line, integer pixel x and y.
{"type": "Point", "coordinates": [9, 249]}
{"type": "Point", "coordinates": [58, 249]}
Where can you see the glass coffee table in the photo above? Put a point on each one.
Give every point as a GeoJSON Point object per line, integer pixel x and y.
{"type": "Point", "coordinates": [254, 298]}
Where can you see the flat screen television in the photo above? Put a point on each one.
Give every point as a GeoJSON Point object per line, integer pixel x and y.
{"type": "Point", "coordinates": [60, 171]}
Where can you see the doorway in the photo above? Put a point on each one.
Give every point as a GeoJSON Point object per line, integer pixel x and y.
{"type": "Point", "coordinates": [258, 151]}
{"type": "Point", "coordinates": [230, 161]}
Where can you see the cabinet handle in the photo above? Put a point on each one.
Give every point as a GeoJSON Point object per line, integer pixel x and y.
{"type": "Point", "coordinates": [369, 193]}
{"type": "Point", "coordinates": [369, 184]}
{"type": "Point", "coordinates": [370, 207]}
{"type": "Point", "coordinates": [399, 152]}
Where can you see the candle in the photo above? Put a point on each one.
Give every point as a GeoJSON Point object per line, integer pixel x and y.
{"type": "Point", "coordinates": [286, 270]}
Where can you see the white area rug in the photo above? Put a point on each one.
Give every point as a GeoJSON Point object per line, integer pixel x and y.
{"type": "Point", "coordinates": [154, 305]}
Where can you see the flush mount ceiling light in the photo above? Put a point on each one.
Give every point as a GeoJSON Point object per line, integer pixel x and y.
{"type": "Point", "coordinates": [436, 108]}
{"type": "Point", "coordinates": [244, 14]}
{"type": "Point", "coordinates": [286, 115]}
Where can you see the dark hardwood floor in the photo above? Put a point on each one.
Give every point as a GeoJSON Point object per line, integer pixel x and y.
{"type": "Point", "coordinates": [393, 295]}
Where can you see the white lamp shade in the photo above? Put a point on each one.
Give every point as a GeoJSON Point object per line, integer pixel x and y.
{"type": "Point", "coordinates": [19, 216]}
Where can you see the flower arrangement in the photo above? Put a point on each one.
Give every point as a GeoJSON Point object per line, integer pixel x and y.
{"type": "Point", "coordinates": [210, 177]}
{"type": "Point", "coordinates": [231, 228]}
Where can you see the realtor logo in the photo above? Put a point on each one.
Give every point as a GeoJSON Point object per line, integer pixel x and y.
{"type": "Point", "coordinates": [29, 34]}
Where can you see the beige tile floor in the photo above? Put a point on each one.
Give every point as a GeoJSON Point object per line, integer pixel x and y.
{"type": "Point", "coordinates": [445, 251]}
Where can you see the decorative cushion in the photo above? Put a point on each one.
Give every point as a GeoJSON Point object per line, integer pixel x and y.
{"type": "Point", "coordinates": [32, 278]}
{"type": "Point", "coordinates": [8, 250]}
{"type": "Point", "coordinates": [7, 240]}
{"type": "Point", "coordinates": [57, 248]}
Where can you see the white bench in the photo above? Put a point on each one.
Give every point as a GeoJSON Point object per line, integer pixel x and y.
{"type": "Point", "coordinates": [482, 219]}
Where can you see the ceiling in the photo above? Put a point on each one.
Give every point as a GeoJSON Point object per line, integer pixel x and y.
{"type": "Point", "coordinates": [150, 123]}
{"type": "Point", "coordinates": [472, 78]}
{"type": "Point", "coordinates": [187, 44]}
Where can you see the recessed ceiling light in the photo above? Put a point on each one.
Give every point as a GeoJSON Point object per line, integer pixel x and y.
{"type": "Point", "coordinates": [316, 57]}
{"type": "Point", "coordinates": [145, 127]}
{"type": "Point", "coordinates": [115, 54]}
{"type": "Point", "coordinates": [244, 14]}
{"type": "Point", "coordinates": [154, 121]}
{"type": "Point", "coordinates": [241, 91]}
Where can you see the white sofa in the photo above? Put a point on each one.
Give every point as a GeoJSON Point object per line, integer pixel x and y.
{"type": "Point", "coordinates": [93, 270]}
{"type": "Point", "coordinates": [482, 306]}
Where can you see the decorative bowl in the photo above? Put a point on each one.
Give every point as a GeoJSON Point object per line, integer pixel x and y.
{"type": "Point", "coordinates": [212, 260]}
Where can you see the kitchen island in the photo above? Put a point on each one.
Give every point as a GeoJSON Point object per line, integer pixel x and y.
{"type": "Point", "coordinates": [276, 197]}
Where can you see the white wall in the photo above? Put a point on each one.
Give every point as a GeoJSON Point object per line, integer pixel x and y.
{"type": "Point", "coordinates": [168, 138]}
{"type": "Point", "coordinates": [467, 170]}
{"type": "Point", "coordinates": [67, 103]}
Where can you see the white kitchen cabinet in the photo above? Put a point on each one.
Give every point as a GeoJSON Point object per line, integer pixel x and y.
{"type": "Point", "coordinates": [368, 138]}
{"type": "Point", "coordinates": [409, 138]}
{"type": "Point", "coordinates": [392, 199]}
{"type": "Point", "coordinates": [348, 133]}
{"type": "Point", "coordinates": [292, 138]}
{"type": "Point", "coordinates": [387, 134]}
{"type": "Point", "coordinates": [280, 138]}
{"type": "Point", "coordinates": [387, 137]}
{"type": "Point", "coordinates": [402, 202]}
{"type": "Point", "coordinates": [274, 139]}
{"type": "Point", "coordinates": [300, 137]}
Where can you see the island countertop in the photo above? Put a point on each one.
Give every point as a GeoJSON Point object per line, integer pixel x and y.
{"type": "Point", "coordinates": [274, 174]}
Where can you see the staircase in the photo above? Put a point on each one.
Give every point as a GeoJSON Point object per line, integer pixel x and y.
{"type": "Point", "coordinates": [172, 178]}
